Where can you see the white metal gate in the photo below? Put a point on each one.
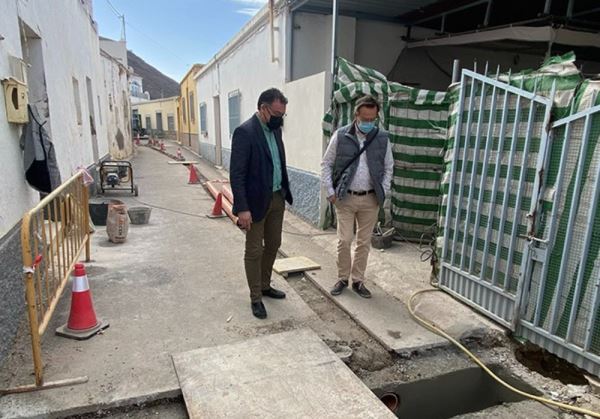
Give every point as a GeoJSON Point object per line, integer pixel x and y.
{"type": "Point", "coordinates": [499, 150]}
{"type": "Point", "coordinates": [522, 225]}
{"type": "Point", "coordinates": [562, 278]}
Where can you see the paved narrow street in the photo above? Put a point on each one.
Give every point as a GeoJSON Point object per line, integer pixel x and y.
{"type": "Point", "coordinates": [171, 287]}
{"type": "Point", "coordinates": [477, 294]}
{"type": "Point", "coordinates": [177, 285]}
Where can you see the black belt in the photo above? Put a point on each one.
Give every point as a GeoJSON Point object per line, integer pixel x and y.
{"type": "Point", "coordinates": [361, 193]}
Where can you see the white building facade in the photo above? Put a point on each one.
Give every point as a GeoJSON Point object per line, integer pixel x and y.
{"type": "Point", "coordinates": [70, 84]}
{"type": "Point", "coordinates": [293, 54]}
{"type": "Point", "coordinates": [117, 107]}
{"type": "Point", "coordinates": [228, 96]}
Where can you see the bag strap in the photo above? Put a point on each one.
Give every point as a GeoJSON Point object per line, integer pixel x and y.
{"type": "Point", "coordinates": [356, 156]}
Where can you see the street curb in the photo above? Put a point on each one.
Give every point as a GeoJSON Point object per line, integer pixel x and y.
{"type": "Point", "coordinates": [115, 404]}
{"type": "Point", "coordinates": [404, 353]}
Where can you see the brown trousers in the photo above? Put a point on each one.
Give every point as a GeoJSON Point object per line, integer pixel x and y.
{"type": "Point", "coordinates": [262, 242]}
{"type": "Point", "coordinates": [363, 212]}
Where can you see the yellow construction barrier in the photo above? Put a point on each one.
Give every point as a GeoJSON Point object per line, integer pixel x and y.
{"type": "Point", "coordinates": [53, 235]}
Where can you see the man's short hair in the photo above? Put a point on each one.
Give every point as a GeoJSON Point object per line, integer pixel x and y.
{"type": "Point", "coordinates": [366, 101]}
{"type": "Point", "coordinates": [271, 95]}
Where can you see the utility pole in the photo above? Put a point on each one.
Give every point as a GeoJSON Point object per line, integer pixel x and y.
{"type": "Point", "coordinates": [123, 34]}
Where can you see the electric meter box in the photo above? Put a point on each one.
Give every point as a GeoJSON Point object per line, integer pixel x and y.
{"type": "Point", "coordinates": [15, 97]}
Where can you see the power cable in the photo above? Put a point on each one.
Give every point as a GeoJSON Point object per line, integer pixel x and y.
{"type": "Point", "coordinates": [433, 328]}
{"type": "Point", "coordinates": [114, 9]}
{"type": "Point", "coordinates": [126, 22]}
{"type": "Point", "coordinates": [169, 209]}
{"type": "Point", "coordinates": [156, 42]}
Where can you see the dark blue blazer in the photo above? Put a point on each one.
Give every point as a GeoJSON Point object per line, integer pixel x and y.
{"type": "Point", "coordinates": [251, 170]}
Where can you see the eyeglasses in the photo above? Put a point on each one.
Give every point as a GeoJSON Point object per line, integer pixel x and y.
{"type": "Point", "coordinates": [276, 114]}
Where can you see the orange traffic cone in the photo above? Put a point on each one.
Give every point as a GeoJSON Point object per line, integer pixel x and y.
{"type": "Point", "coordinates": [217, 211]}
{"type": "Point", "coordinates": [82, 323]}
{"type": "Point", "coordinates": [194, 179]}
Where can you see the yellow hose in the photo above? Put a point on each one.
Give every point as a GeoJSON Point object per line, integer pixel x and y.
{"type": "Point", "coordinates": [433, 328]}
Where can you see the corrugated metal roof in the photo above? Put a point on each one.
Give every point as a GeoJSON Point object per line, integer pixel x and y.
{"type": "Point", "coordinates": [373, 9]}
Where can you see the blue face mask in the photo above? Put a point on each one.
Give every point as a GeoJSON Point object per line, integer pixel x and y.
{"type": "Point", "coordinates": [365, 127]}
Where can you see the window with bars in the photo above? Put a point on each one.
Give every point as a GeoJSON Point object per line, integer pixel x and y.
{"type": "Point", "coordinates": [235, 100]}
{"type": "Point", "coordinates": [159, 121]}
{"type": "Point", "coordinates": [77, 99]}
{"type": "Point", "coordinates": [192, 109]}
{"type": "Point", "coordinates": [203, 127]}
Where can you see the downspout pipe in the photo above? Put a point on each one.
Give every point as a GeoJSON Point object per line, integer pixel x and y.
{"type": "Point", "coordinates": [272, 23]}
{"type": "Point", "coordinates": [289, 44]}
{"type": "Point", "coordinates": [334, 23]}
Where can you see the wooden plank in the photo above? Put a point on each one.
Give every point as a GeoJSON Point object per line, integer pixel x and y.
{"type": "Point", "coordinates": [294, 264]}
{"type": "Point", "coordinates": [183, 162]}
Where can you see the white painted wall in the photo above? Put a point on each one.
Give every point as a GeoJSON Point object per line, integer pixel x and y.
{"type": "Point", "coordinates": [302, 132]}
{"type": "Point", "coordinates": [116, 112]}
{"type": "Point", "coordinates": [370, 43]}
{"type": "Point", "coordinates": [420, 66]}
{"type": "Point", "coordinates": [378, 44]}
{"type": "Point", "coordinates": [70, 48]}
{"type": "Point", "coordinates": [311, 51]}
{"type": "Point", "coordinates": [248, 68]}
{"type": "Point", "coordinates": [12, 187]}
{"type": "Point", "coordinates": [117, 49]}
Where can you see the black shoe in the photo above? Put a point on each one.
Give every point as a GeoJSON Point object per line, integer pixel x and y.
{"type": "Point", "coordinates": [273, 293]}
{"type": "Point", "coordinates": [259, 310]}
{"type": "Point", "coordinates": [339, 287]}
{"type": "Point", "coordinates": [360, 289]}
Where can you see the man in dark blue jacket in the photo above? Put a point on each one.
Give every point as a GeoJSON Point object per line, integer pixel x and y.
{"type": "Point", "coordinates": [260, 186]}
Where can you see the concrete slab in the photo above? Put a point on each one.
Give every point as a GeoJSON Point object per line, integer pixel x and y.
{"type": "Point", "coordinates": [386, 316]}
{"type": "Point", "coordinates": [170, 287]}
{"type": "Point", "coordinates": [292, 375]}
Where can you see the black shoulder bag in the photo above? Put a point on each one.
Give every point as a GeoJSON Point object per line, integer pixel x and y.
{"type": "Point", "coordinates": [356, 156]}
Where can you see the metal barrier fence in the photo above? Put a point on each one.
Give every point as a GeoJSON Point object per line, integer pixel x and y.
{"type": "Point", "coordinates": [53, 235]}
{"type": "Point", "coordinates": [522, 219]}
{"type": "Point", "coordinates": [562, 291]}
{"type": "Point", "coordinates": [498, 154]}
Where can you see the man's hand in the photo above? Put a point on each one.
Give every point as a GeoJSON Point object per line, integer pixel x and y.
{"type": "Point", "coordinates": [332, 199]}
{"type": "Point", "coordinates": [245, 220]}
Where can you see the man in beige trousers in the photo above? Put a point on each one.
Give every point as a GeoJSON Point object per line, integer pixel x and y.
{"type": "Point", "coordinates": [357, 171]}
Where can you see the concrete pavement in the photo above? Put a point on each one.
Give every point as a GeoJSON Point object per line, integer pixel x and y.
{"type": "Point", "coordinates": [393, 276]}
{"type": "Point", "coordinates": [171, 287]}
